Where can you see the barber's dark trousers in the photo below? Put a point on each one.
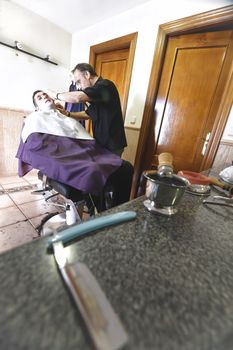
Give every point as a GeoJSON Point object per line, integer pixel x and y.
{"type": "Point", "coordinates": [117, 189]}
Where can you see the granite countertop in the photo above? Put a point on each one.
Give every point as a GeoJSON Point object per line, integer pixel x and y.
{"type": "Point", "coordinates": [169, 279]}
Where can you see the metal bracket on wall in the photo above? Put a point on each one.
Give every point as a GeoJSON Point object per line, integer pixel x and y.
{"type": "Point", "coordinates": [17, 48]}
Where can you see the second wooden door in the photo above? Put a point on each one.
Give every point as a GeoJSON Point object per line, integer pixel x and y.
{"type": "Point", "coordinates": [112, 65]}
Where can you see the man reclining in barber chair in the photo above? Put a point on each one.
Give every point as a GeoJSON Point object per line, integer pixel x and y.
{"type": "Point", "coordinates": [62, 150]}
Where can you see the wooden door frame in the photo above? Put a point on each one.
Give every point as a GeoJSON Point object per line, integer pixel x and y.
{"type": "Point", "coordinates": [124, 42]}
{"type": "Point", "coordinates": [215, 19]}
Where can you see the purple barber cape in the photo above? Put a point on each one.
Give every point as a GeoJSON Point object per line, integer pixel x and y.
{"type": "Point", "coordinates": [82, 164]}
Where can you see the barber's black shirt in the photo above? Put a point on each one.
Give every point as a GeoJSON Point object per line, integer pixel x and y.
{"type": "Point", "coordinates": [106, 115]}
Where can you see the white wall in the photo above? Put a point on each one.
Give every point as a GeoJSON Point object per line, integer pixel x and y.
{"type": "Point", "coordinates": [145, 20]}
{"type": "Point", "coordinates": [228, 132]}
{"type": "Point", "coordinates": [22, 74]}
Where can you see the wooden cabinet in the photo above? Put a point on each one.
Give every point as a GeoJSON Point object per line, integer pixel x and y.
{"type": "Point", "coordinates": [224, 155]}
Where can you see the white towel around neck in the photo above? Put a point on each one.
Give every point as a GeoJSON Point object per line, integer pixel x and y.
{"type": "Point", "coordinates": [54, 123]}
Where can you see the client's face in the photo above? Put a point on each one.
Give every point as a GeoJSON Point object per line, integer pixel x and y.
{"type": "Point", "coordinates": [43, 101]}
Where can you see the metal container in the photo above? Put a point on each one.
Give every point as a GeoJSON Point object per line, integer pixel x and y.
{"type": "Point", "coordinates": [164, 192]}
{"type": "Point", "coordinates": [199, 183]}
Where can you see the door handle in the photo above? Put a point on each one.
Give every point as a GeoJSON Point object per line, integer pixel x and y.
{"type": "Point", "coordinates": [206, 141]}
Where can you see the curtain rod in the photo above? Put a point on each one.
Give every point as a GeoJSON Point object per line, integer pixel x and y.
{"type": "Point", "coordinates": [46, 59]}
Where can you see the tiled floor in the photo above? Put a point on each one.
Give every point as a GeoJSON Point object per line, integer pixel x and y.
{"type": "Point", "coordinates": [20, 211]}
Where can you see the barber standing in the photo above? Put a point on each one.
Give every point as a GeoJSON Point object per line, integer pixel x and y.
{"type": "Point", "coordinates": [104, 108]}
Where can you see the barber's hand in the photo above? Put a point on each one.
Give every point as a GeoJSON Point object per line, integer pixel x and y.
{"type": "Point", "coordinates": [61, 109]}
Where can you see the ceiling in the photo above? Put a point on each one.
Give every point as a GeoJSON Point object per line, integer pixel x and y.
{"type": "Point", "coordinates": [75, 15]}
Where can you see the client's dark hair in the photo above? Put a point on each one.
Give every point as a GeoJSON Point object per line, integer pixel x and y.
{"type": "Point", "coordinates": [33, 97]}
{"type": "Point", "coordinates": [83, 67]}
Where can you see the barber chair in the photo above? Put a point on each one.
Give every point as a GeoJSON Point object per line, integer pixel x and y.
{"type": "Point", "coordinates": [116, 191]}
{"type": "Point", "coordinates": [71, 206]}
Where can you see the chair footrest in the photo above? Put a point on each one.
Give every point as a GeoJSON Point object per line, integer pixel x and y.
{"type": "Point", "coordinates": [39, 192]}
{"type": "Point", "coordinates": [65, 190]}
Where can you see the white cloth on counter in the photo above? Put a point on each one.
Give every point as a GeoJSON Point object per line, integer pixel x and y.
{"type": "Point", "coordinates": [227, 174]}
{"type": "Point", "coordinates": [54, 123]}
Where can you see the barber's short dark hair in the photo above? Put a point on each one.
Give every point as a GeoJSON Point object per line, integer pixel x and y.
{"type": "Point", "coordinates": [83, 67]}
{"type": "Point", "coordinates": [33, 97]}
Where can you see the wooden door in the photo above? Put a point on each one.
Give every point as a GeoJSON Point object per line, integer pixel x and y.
{"type": "Point", "coordinates": [214, 20]}
{"type": "Point", "coordinates": [112, 65]}
{"type": "Point", "coordinates": [194, 74]}
{"type": "Point", "coordinates": [113, 60]}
